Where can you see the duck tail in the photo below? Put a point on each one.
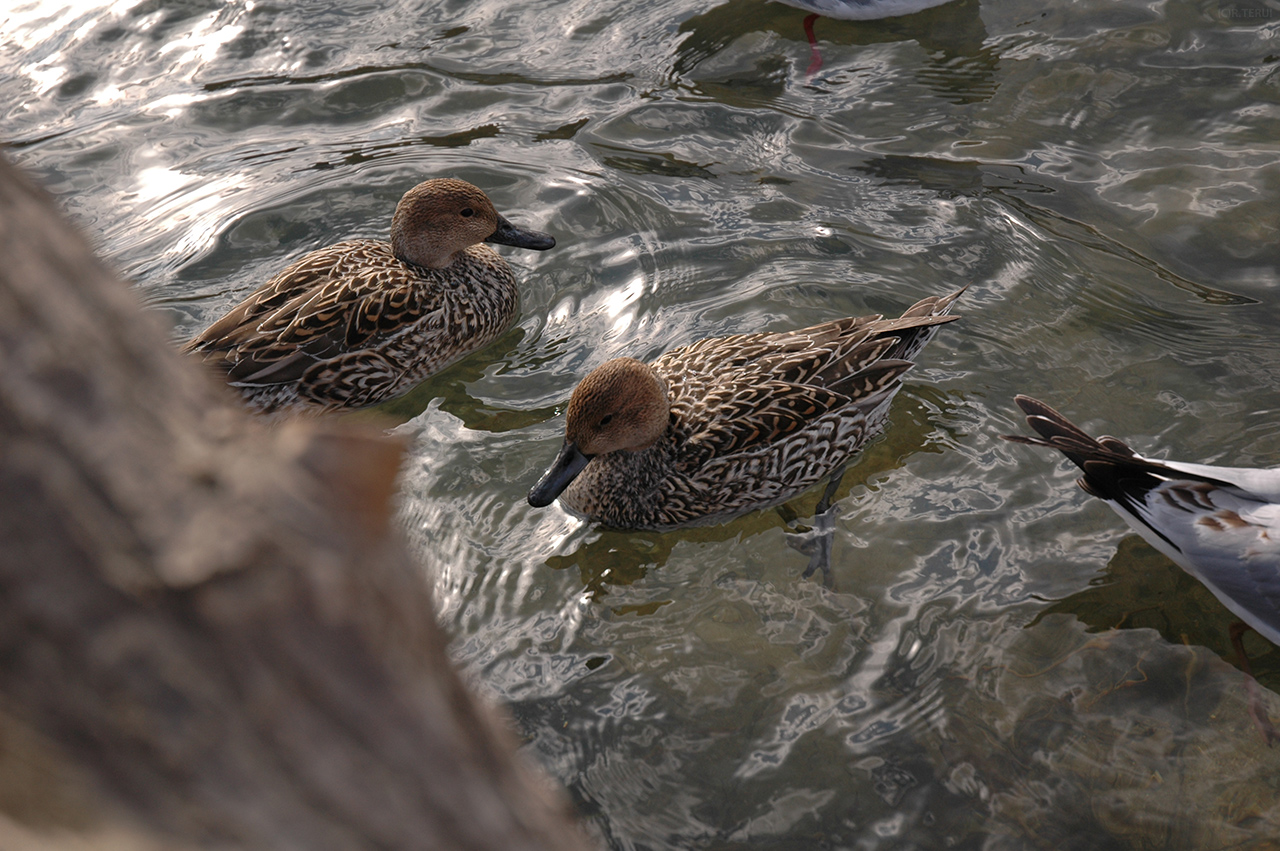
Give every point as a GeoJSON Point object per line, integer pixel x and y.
{"type": "Point", "coordinates": [918, 324]}
{"type": "Point", "coordinates": [934, 305]}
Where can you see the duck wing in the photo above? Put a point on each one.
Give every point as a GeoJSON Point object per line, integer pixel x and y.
{"type": "Point", "coordinates": [735, 394]}
{"type": "Point", "coordinates": [349, 296]}
{"type": "Point", "coordinates": [1220, 524]}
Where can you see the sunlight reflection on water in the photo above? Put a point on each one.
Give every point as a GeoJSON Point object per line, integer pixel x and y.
{"type": "Point", "coordinates": [1101, 174]}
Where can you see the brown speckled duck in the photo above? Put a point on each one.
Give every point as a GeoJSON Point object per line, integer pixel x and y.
{"type": "Point", "coordinates": [730, 424]}
{"type": "Point", "coordinates": [364, 321]}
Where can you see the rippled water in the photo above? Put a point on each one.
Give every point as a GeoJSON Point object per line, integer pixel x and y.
{"type": "Point", "coordinates": [1103, 174]}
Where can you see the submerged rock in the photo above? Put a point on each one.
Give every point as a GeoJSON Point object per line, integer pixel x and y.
{"type": "Point", "coordinates": [1119, 739]}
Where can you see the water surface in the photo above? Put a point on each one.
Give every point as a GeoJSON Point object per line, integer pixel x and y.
{"type": "Point", "coordinates": [1001, 665]}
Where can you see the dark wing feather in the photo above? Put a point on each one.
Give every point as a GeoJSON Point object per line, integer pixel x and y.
{"type": "Point", "coordinates": [733, 419]}
{"type": "Point", "coordinates": [731, 394]}
{"type": "Point", "coordinates": [1111, 469]}
{"type": "Point", "coordinates": [304, 278]}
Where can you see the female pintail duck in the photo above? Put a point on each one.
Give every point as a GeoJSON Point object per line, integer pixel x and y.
{"type": "Point", "coordinates": [730, 424]}
{"type": "Point", "coordinates": [1220, 524]}
{"type": "Point", "coordinates": [365, 320]}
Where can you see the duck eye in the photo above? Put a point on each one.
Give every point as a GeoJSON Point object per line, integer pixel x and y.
{"type": "Point", "coordinates": [606, 419]}
{"type": "Point", "coordinates": [467, 212]}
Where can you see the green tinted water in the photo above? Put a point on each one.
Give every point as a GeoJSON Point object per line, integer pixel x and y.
{"type": "Point", "coordinates": [1103, 174]}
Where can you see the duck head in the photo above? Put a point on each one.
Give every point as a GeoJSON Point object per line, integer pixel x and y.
{"type": "Point", "coordinates": [621, 406]}
{"type": "Point", "coordinates": [438, 218]}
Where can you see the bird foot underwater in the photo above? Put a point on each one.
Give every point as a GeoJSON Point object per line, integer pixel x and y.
{"type": "Point", "coordinates": [816, 543]}
{"type": "Point", "coordinates": [815, 55]}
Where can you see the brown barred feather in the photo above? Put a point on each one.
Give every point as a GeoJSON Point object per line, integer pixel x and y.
{"type": "Point", "coordinates": [363, 321]}
{"type": "Point", "coordinates": [351, 325]}
{"type": "Point", "coordinates": [756, 419]}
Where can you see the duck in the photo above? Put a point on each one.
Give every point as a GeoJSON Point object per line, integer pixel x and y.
{"type": "Point", "coordinates": [727, 425]}
{"type": "Point", "coordinates": [363, 321]}
{"type": "Point", "coordinates": [1219, 524]}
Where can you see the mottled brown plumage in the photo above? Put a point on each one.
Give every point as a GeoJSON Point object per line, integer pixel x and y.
{"type": "Point", "coordinates": [363, 321]}
{"type": "Point", "coordinates": [730, 424]}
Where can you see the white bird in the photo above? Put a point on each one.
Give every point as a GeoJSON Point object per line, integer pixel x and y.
{"type": "Point", "coordinates": [852, 10]}
{"type": "Point", "coordinates": [864, 10]}
{"type": "Point", "coordinates": [1220, 524]}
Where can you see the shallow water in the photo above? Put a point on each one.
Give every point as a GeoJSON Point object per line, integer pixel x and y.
{"type": "Point", "coordinates": [1102, 174]}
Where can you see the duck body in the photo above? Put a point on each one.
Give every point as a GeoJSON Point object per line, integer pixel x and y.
{"type": "Point", "coordinates": [1219, 524]}
{"type": "Point", "coordinates": [734, 423]}
{"type": "Point", "coordinates": [352, 325]}
{"type": "Point", "coordinates": [360, 322]}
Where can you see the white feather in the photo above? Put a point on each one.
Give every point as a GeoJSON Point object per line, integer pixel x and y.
{"type": "Point", "coordinates": [864, 10]}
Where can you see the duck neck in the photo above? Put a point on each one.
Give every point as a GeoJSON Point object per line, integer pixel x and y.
{"type": "Point", "coordinates": [418, 248]}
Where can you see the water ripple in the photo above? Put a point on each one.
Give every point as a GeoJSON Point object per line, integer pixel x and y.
{"type": "Point", "coordinates": [1100, 173]}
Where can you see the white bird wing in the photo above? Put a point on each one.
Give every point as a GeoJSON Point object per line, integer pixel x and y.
{"type": "Point", "coordinates": [1220, 524]}
{"type": "Point", "coordinates": [1262, 483]}
{"type": "Point", "coordinates": [1224, 536]}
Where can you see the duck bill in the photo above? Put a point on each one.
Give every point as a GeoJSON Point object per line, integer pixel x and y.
{"type": "Point", "coordinates": [568, 464]}
{"type": "Point", "coordinates": [509, 234]}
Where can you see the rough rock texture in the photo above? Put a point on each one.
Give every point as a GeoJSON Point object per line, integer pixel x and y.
{"type": "Point", "coordinates": [210, 635]}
